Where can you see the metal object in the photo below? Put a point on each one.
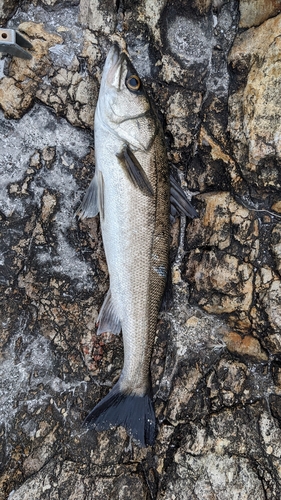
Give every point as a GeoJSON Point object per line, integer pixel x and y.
{"type": "Point", "coordinates": [12, 42]}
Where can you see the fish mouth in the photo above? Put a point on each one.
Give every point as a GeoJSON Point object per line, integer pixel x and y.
{"type": "Point", "coordinates": [114, 65]}
{"type": "Point", "coordinates": [114, 54]}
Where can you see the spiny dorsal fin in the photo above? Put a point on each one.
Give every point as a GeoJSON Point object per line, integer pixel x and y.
{"type": "Point", "coordinates": [134, 170]}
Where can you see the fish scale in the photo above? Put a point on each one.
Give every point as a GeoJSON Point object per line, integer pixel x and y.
{"type": "Point", "coordinates": [131, 191]}
{"type": "Point", "coordinates": [142, 289]}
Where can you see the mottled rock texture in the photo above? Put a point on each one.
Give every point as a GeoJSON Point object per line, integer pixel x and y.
{"type": "Point", "coordinates": [255, 12]}
{"type": "Point", "coordinates": [213, 71]}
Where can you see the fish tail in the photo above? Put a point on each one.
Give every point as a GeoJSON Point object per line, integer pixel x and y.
{"type": "Point", "coordinates": [134, 413]}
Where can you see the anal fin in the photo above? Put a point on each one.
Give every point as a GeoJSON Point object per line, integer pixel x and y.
{"type": "Point", "coordinates": [108, 319]}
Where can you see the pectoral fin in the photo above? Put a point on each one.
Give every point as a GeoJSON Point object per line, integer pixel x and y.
{"type": "Point", "coordinates": [180, 205]}
{"type": "Point", "coordinates": [134, 170]}
{"type": "Point", "coordinates": [93, 201]}
{"type": "Point", "coordinates": [107, 319]}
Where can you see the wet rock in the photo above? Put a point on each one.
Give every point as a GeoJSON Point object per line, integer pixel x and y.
{"type": "Point", "coordinates": [225, 224]}
{"type": "Point", "coordinates": [216, 368]}
{"type": "Point", "coordinates": [7, 7]}
{"type": "Point", "coordinates": [181, 110]}
{"type": "Point", "coordinates": [254, 124]}
{"type": "Point", "coordinates": [244, 346]}
{"type": "Point", "coordinates": [255, 12]}
{"type": "Point", "coordinates": [192, 38]}
{"type": "Point", "coordinates": [272, 303]}
{"type": "Point", "coordinates": [63, 88]}
{"type": "Point", "coordinates": [222, 283]}
{"type": "Point", "coordinates": [17, 91]}
{"type": "Point", "coordinates": [73, 481]}
{"type": "Point", "coordinates": [98, 16]}
{"type": "Point", "coordinates": [204, 469]}
{"type": "Point", "coordinates": [182, 392]}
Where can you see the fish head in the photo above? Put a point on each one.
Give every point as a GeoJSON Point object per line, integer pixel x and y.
{"type": "Point", "coordinates": [123, 105]}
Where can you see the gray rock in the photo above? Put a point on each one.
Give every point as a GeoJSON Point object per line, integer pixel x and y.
{"type": "Point", "coordinates": [216, 363]}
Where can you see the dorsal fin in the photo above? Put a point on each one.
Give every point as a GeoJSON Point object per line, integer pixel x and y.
{"type": "Point", "coordinates": [180, 205]}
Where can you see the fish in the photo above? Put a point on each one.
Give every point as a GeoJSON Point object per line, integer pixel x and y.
{"type": "Point", "coordinates": [132, 192]}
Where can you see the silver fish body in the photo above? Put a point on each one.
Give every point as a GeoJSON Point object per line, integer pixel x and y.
{"type": "Point", "coordinates": [131, 191]}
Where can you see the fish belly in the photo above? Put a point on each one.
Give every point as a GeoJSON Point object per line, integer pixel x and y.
{"type": "Point", "coordinates": [136, 240]}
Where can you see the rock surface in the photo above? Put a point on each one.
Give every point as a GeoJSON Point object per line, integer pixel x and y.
{"type": "Point", "coordinates": [255, 12]}
{"type": "Point", "coordinates": [212, 69]}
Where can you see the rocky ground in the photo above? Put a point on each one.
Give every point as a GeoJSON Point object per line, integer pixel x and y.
{"type": "Point", "coordinates": [213, 69]}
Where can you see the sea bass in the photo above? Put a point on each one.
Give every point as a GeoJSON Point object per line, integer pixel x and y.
{"type": "Point", "coordinates": [131, 192]}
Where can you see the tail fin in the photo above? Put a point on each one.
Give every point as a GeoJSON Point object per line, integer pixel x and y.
{"type": "Point", "coordinates": [135, 413]}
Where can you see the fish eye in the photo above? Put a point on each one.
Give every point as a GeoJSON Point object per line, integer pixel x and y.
{"type": "Point", "coordinates": [133, 82]}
